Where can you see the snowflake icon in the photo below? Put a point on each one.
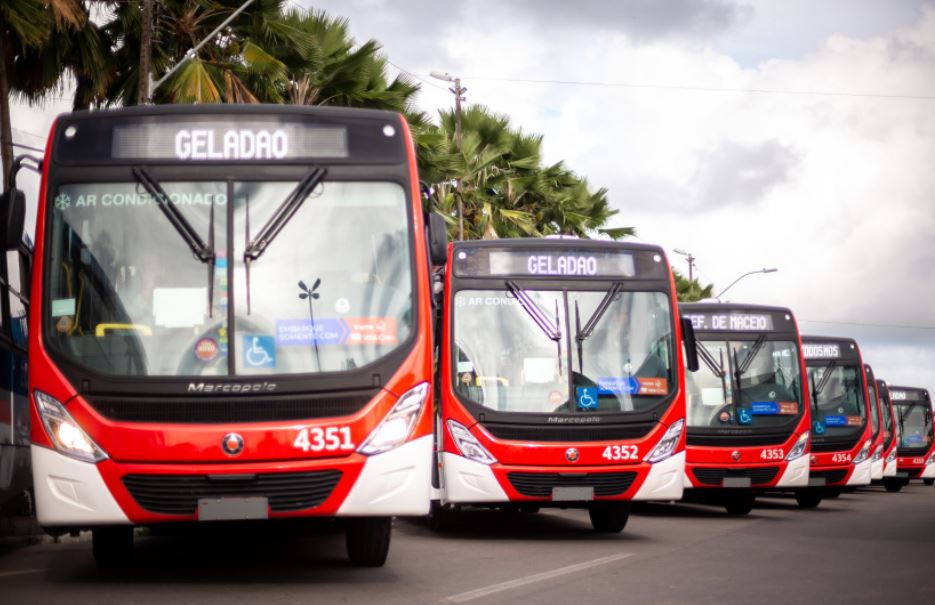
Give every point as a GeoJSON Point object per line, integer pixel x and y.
{"type": "Point", "coordinates": [62, 201]}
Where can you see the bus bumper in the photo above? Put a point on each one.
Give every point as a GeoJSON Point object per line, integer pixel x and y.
{"type": "Point", "coordinates": [796, 473]}
{"type": "Point", "coordinates": [928, 472]}
{"type": "Point", "coordinates": [876, 470]}
{"type": "Point", "coordinates": [70, 493]}
{"type": "Point", "coordinates": [889, 469]}
{"type": "Point", "coordinates": [861, 474]}
{"type": "Point", "coordinates": [787, 474]}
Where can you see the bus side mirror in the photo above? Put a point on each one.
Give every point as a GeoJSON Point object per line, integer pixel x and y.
{"type": "Point", "coordinates": [438, 239]}
{"type": "Point", "coordinates": [691, 346]}
{"type": "Point", "coordinates": [13, 207]}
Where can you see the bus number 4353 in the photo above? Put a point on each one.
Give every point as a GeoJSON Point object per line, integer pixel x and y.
{"type": "Point", "coordinates": [329, 439]}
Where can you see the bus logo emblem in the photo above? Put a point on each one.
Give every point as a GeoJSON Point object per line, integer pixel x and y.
{"type": "Point", "coordinates": [232, 444]}
{"type": "Point", "coordinates": [735, 455]}
{"type": "Point", "coordinates": [572, 455]}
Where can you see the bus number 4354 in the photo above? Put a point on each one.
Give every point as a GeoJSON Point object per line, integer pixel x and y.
{"type": "Point", "coordinates": [329, 439]}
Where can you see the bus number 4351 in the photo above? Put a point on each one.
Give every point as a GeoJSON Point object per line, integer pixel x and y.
{"type": "Point", "coordinates": [329, 439]}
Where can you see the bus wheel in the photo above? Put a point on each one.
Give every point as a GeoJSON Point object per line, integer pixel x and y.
{"type": "Point", "coordinates": [609, 517]}
{"type": "Point", "coordinates": [532, 509]}
{"type": "Point", "coordinates": [112, 546]}
{"type": "Point", "coordinates": [833, 492]}
{"type": "Point", "coordinates": [928, 481]}
{"type": "Point", "coordinates": [439, 518]}
{"type": "Point", "coordinates": [808, 498]}
{"type": "Point", "coordinates": [368, 540]}
{"type": "Point", "coordinates": [892, 485]}
{"type": "Point", "coordinates": [739, 503]}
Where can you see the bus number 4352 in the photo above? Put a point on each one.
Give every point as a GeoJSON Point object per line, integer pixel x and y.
{"type": "Point", "coordinates": [329, 439]}
{"type": "Point", "coordinates": [620, 452]}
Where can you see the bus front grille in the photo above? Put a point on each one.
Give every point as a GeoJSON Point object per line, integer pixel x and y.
{"type": "Point", "coordinates": [225, 410]}
{"type": "Point", "coordinates": [540, 484]}
{"type": "Point", "coordinates": [179, 494]}
{"type": "Point", "coordinates": [831, 477]}
{"type": "Point", "coordinates": [539, 432]}
{"type": "Point", "coordinates": [715, 476]}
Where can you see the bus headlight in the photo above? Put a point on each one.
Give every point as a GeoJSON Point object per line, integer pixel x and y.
{"type": "Point", "coordinates": [798, 450]}
{"type": "Point", "coordinates": [67, 436]}
{"type": "Point", "coordinates": [892, 456]}
{"type": "Point", "coordinates": [396, 427]}
{"type": "Point", "coordinates": [931, 459]}
{"type": "Point", "coordinates": [863, 453]}
{"type": "Point", "coordinates": [666, 446]}
{"type": "Point", "coordinates": [468, 445]}
{"type": "Point", "coordinates": [878, 453]}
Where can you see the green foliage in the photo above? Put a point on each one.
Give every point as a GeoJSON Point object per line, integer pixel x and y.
{"type": "Point", "coordinates": [691, 291]}
{"type": "Point", "coordinates": [496, 174]}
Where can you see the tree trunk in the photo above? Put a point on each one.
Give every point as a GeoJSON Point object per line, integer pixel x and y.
{"type": "Point", "coordinates": [146, 49]}
{"type": "Point", "coordinates": [6, 133]}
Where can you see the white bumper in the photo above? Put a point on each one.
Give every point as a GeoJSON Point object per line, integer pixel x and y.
{"type": "Point", "coordinates": [665, 480]}
{"type": "Point", "coordinates": [876, 470]}
{"type": "Point", "coordinates": [861, 474]}
{"type": "Point", "coordinates": [929, 472]}
{"type": "Point", "coordinates": [465, 481]}
{"type": "Point", "coordinates": [397, 482]}
{"type": "Point", "coordinates": [796, 473]}
{"type": "Point", "coordinates": [889, 470]}
{"type": "Point", "coordinates": [71, 493]}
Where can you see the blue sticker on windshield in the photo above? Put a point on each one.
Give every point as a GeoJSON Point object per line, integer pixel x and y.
{"type": "Point", "coordinates": [819, 427]}
{"type": "Point", "coordinates": [586, 398]}
{"type": "Point", "coordinates": [744, 416]}
{"type": "Point", "coordinates": [259, 351]}
{"type": "Point", "coordinates": [618, 385]}
{"type": "Point", "coordinates": [765, 408]}
{"type": "Point", "coordinates": [326, 331]}
{"type": "Point", "coordinates": [835, 420]}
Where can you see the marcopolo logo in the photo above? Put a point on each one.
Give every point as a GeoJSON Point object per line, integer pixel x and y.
{"type": "Point", "coordinates": [231, 387]}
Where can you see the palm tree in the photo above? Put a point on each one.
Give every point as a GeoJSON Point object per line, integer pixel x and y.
{"type": "Point", "coordinates": [691, 291]}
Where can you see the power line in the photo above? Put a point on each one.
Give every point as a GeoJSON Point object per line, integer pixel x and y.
{"type": "Point", "coordinates": [681, 87]}
{"type": "Point", "coordinates": [27, 133]}
{"type": "Point", "coordinates": [28, 147]}
{"type": "Point", "coordinates": [417, 76]}
{"type": "Point", "coordinates": [868, 325]}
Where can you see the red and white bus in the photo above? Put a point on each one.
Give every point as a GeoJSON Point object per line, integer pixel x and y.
{"type": "Point", "coordinates": [748, 415]}
{"type": "Point", "coordinates": [562, 380]}
{"type": "Point", "coordinates": [890, 439]}
{"type": "Point", "coordinates": [912, 410]}
{"type": "Point", "coordinates": [840, 403]}
{"type": "Point", "coordinates": [231, 320]}
{"type": "Point", "coordinates": [876, 426]}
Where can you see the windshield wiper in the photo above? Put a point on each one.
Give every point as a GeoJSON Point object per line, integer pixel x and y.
{"type": "Point", "coordinates": [257, 246]}
{"type": "Point", "coordinates": [532, 309]}
{"type": "Point", "coordinates": [202, 251]}
{"type": "Point", "coordinates": [582, 335]}
{"type": "Point", "coordinates": [825, 378]}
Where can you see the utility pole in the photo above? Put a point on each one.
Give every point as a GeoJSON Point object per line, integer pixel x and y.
{"type": "Point", "coordinates": [458, 91]}
{"type": "Point", "coordinates": [146, 51]}
{"type": "Point", "coordinates": [691, 263]}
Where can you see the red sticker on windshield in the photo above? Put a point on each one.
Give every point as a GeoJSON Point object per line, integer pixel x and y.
{"type": "Point", "coordinates": [371, 330]}
{"type": "Point", "coordinates": [206, 349]}
{"type": "Point", "coordinates": [854, 421]}
{"type": "Point", "coordinates": [653, 386]}
{"type": "Point", "coordinates": [788, 408]}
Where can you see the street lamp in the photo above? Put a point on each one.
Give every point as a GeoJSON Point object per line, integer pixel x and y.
{"type": "Point", "coordinates": [773, 270]}
{"type": "Point", "coordinates": [458, 91]}
{"type": "Point", "coordinates": [691, 262]}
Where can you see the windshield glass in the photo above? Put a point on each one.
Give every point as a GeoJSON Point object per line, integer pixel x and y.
{"type": "Point", "coordinates": [769, 393]}
{"type": "Point", "coordinates": [888, 432]}
{"type": "Point", "coordinates": [874, 410]}
{"type": "Point", "coordinates": [914, 422]}
{"type": "Point", "coordinates": [127, 296]}
{"type": "Point", "coordinates": [837, 399]}
{"type": "Point", "coordinates": [505, 360]}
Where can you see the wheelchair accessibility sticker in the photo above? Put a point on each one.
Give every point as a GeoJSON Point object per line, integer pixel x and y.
{"type": "Point", "coordinates": [587, 398]}
{"type": "Point", "coordinates": [259, 351]}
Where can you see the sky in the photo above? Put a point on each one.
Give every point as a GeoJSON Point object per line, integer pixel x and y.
{"type": "Point", "coordinates": [701, 119]}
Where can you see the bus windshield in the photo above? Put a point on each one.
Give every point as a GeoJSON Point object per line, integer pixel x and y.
{"type": "Point", "coordinates": [874, 409]}
{"type": "Point", "coordinates": [914, 422]}
{"type": "Point", "coordinates": [731, 388]}
{"type": "Point", "coordinates": [888, 429]}
{"type": "Point", "coordinates": [837, 399]}
{"type": "Point", "coordinates": [125, 295]}
{"type": "Point", "coordinates": [509, 360]}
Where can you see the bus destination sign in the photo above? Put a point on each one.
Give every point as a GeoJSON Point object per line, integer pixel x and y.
{"type": "Point", "coordinates": [221, 140]}
{"type": "Point", "coordinates": [829, 350]}
{"type": "Point", "coordinates": [900, 395]}
{"type": "Point", "coordinates": [731, 322]}
{"type": "Point", "coordinates": [544, 263]}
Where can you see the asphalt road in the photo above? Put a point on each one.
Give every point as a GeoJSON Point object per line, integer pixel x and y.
{"type": "Point", "coordinates": [869, 547]}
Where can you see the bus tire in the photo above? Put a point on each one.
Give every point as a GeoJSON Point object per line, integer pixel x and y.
{"type": "Point", "coordinates": [739, 503]}
{"type": "Point", "coordinates": [609, 517]}
{"type": "Point", "coordinates": [808, 498]}
{"type": "Point", "coordinates": [892, 485]}
{"type": "Point", "coordinates": [928, 481]}
{"type": "Point", "coordinates": [112, 546]}
{"type": "Point", "coordinates": [833, 492]}
{"type": "Point", "coordinates": [368, 540]}
{"type": "Point", "coordinates": [439, 518]}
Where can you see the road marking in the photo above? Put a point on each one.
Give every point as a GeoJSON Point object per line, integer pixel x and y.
{"type": "Point", "coordinates": [470, 595]}
{"type": "Point", "coordinates": [4, 574]}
